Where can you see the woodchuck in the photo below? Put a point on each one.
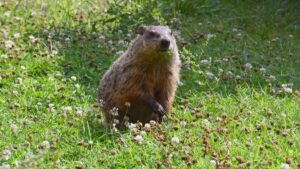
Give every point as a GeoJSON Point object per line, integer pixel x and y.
{"type": "Point", "coordinates": [141, 84]}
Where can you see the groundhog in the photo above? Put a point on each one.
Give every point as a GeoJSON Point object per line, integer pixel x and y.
{"type": "Point", "coordinates": [141, 84]}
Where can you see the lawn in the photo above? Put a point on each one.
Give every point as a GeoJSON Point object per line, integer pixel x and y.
{"type": "Point", "coordinates": [237, 105]}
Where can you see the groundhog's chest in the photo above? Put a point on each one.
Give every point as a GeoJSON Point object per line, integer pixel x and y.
{"type": "Point", "coordinates": [156, 77]}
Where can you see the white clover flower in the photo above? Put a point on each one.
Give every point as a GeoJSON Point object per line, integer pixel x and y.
{"type": "Point", "coordinates": [77, 85]}
{"type": "Point", "coordinates": [213, 163]}
{"type": "Point", "coordinates": [239, 34]}
{"type": "Point", "coordinates": [9, 44]}
{"type": "Point", "coordinates": [13, 128]}
{"type": "Point", "coordinates": [33, 13]}
{"type": "Point", "coordinates": [238, 77]}
{"type": "Point", "coordinates": [116, 121]}
{"type": "Point", "coordinates": [291, 36]}
{"type": "Point", "coordinates": [17, 35]}
{"type": "Point", "coordinates": [206, 122]}
{"type": "Point", "coordinates": [4, 56]}
{"type": "Point", "coordinates": [143, 133]}
{"type": "Point", "coordinates": [284, 166]}
{"type": "Point", "coordinates": [102, 37]}
{"type": "Point", "coordinates": [272, 78]}
{"type": "Point", "coordinates": [180, 83]}
{"type": "Point", "coordinates": [115, 112]}
{"type": "Point", "coordinates": [73, 78]}
{"type": "Point", "coordinates": [5, 166]}
{"type": "Point", "coordinates": [132, 126]}
{"type": "Point", "coordinates": [7, 13]}
{"type": "Point", "coordinates": [114, 129]}
{"type": "Point", "coordinates": [32, 39]}
{"type": "Point", "coordinates": [209, 36]}
{"type": "Point", "coordinates": [58, 74]}
{"type": "Point", "coordinates": [119, 53]}
{"type": "Point", "coordinates": [68, 39]}
{"type": "Point", "coordinates": [234, 30]}
{"type": "Point", "coordinates": [79, 112]}
{"type": "Point", "coordinates": [147, 126]}
{"type": "Point", "coordinates": [176, 33]}
{"type": "Point", "coordinates": [45, 31]}
{"type": "Point", "coordinates": [54, 52]}
{"type": "Point", "coordinates": [262, 70]}
{"type": "Point", "coordinates": [5, 154]}
{"type": "Point", "coordinates": [218, 119]}
{"type": "Point", "coordinates": [284, 85]}
{"type": "Point", "coordinates": [180, 38]}
{"type": "Point", "coordinates": [121, 42]}
{"type": "Point", "coordinates": [51, 79]}
{"type": "Point", "coordinates": [287, 89]}
{"type": "Point", "coordinates": [90, 142]}
{"type": "Point", "coordinates": [23, 67]}
{"type": "Point", "coordinates": [51, 109]}
{"type": "Point", "coordinates": [209, 75]}
{"type": "Point", "coordinates": [217, 61]}
{"type": "Point", "coordinates": [183, 123]}
{"type": "Point", "coordinates": [204, 62]}
{"type": "Point", "coordinates": [127, 104]}
{"type": "Point", "coordinates": [94, 33]}
{"type": "Point", "coordinates": [248, 66]}
{"type": "Point", "coordinates": [16, 18]}
{"type": "Point", "coordinates": [152, 122]}
{"type": "Point", "coordinates": [67, 109]}
{"type": "Point", "coordinates": [229, 74]}
{"type": "Point", "coordinates": [50, 105]}
{"type": "Point", "coordinates": [4, 32]}
{"type": "Point", "coordinates": [175, 140]}
{"type": "Point", "coordinates": [15, 92]}
{"type": "Point", "coordinates": [45, 144]}
{"type": "Point", "coordinates": [139, 139]}
{"type": "Point", "coordinates": [51, 34]}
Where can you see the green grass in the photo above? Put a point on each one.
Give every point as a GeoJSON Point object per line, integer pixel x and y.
{"type": "Point", "coordinates": [53, 55]}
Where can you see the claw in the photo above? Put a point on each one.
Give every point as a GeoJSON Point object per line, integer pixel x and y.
{"type": "Point", "coordinates": [157, 108]}
{"type": "Point", "coordinates": [162, 113]}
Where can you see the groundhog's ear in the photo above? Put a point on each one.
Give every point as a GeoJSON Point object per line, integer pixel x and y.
{"type": "Point", "coordinates": [141, 30]}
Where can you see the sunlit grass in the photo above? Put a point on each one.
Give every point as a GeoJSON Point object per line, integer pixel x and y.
{"type": "Point", "coordinates": [237, 105]}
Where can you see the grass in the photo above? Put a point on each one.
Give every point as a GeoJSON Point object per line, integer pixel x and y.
{"type": "Point", "coordinates": [237, 105]}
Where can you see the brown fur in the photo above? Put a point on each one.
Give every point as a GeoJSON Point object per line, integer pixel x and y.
{"type": "Point", "coordinates": [143, 76]}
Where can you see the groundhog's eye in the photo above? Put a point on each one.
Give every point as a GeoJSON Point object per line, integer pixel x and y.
{"type": "Point", "coordinates": [171, 33]}
{"type": "Point", "coordinates": [153, 34]}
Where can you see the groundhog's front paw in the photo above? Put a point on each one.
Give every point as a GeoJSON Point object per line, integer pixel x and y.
{"type": "Point", "coordinates": [157, 108]}
{"type": "Point", "coordinates": [160, 110]}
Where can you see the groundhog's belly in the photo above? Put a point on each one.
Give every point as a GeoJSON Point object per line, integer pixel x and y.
{"type": "Point", "coordinates": [132, 96]}
{"type": "Point", "coordinates": [134, 106]}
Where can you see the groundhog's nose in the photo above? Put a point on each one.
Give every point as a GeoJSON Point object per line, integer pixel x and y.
{"type": "Point", "coordinates": [164, 44]}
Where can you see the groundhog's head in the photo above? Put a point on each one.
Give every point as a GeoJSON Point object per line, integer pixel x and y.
{"type": "Point", "coordinates": [159, 39]}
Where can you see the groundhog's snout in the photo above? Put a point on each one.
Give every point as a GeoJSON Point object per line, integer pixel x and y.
{"type": "Point", "coordinates": [164, 44]}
